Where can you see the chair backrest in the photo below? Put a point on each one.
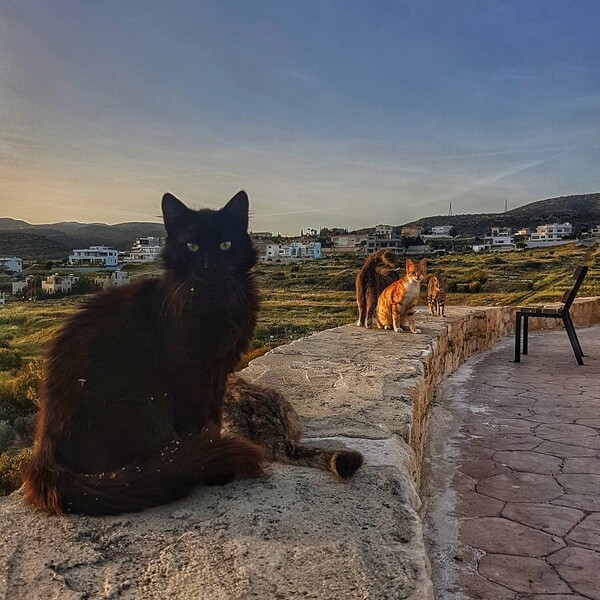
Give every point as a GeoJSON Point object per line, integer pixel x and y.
{"type": "Point", "coordinates": [569, 295]}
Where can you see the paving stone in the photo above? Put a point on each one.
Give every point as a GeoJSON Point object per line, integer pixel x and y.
{"type": "Point", "coordinates": [582, 465]}
{"type": "Point", "coordinates": [591, 422]}
{"type": "Point", "coordinates": [476, 451]}
{"type": "Point", "coordinates": [557, 520]}
{"type": "Point", "coordinates": [509, 442]}
{"type": "Point", "coordinates": [586, 533]}
{"type": "Point", "coordinates": [553, 597]}
{"type": "Point", "coordinates": [512, 411]}
{"type": "Point", "coordinates": [564, 450]}
{"type": "Point", "coordinates": [522, 574]}
{"type": "Point", "coordinates": [480, 588]}
{"type": "Point", "coordinates": [529, 462]}
{"type": "Point", "coordinates": [591, 442]}
{"type": "Point", "coordinates": [505, 426]}
{"type": "Point", "coordinates": [562, 433]}
{"type": "Point", "coordinates": [499, 427]}
{"type": "Point", "coordinates": [501, 536]}
{"type": "Point", "coordinates": [587, 503]}
{"type": "Point", "coordinates": [463, 483]}
{"type": "Point", "coordinates": [541, 420]}
{"type": "Point", "coordinates": [481, 468]}
{"type": "Point", "coordinates": [580, 568]}
{"type": "Point", "coordinates": [472, 504]}
{"type": "Point", "coordinates": [557, 416]}
{"type": "Point", "coordinates": [586, 484]}
{"type": "Point", "coordinates": [520, 487]}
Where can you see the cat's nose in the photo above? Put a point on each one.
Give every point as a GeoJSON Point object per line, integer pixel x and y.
{"type": "Point", "coordinates": [209, 262]}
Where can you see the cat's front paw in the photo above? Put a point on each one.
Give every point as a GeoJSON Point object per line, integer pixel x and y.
{"type": "Point", "coordinates": [387, 327]}
{"type": "Point", "coordinates": [415, 330]}
{"type": "Point", "coordinates": [358, 324]}
{"type": "Point", "coordinates": [397, 329]}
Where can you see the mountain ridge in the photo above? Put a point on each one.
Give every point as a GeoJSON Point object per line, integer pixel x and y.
{"type": "Point", "coordinates": [54, 240]}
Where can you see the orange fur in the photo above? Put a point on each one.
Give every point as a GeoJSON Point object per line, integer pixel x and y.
{"type": "Point", "coordinates": [396, 305]}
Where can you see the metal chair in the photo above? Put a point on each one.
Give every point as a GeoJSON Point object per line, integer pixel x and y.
{"type": "Point", "coordinates": [524, 313]}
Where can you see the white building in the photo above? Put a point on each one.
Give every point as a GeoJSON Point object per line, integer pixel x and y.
{"type": "Point", "coordinates": [384, 231]}
{"type": "Point", "coordinates": [58, 283]}
{"type": "Point", "coordinates": [114, 279]}
{"type": "Point", "coordinates": [551, 234]}
{"type": "Point", "coordinates": [19, 286]}
{"type": "Point", "coordinates": [439, 232]}
{"type": "Point", "coordinates": [295, 250]}
{"type": "Point", "coordinates": [2, 298]}
{"type": "Point", "coordinates": [595, 231]}
{"type": "Point", "coordinates": [11, 263]}
{"type": "Point", "coordinates": [145, 249]}
{"type": "Point", "coordinates": [349, 240]}
{"type": "Point", "coordinates": [500, 239]}
{"type": "Point", "coordinates": [95, 256]}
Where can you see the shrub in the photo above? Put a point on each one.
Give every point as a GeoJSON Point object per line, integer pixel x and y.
{"type": "Point", "coordinates": [19, 396]}
{"type": "Point", "coordinates": [12, 465]}
{"type": "Point", "coordinates": [10, 359]}
{"type": "Point", "coordinates": [496, 260]}
{"type": "Point", "coordinates": [7, 436]}
{"type": "Point", "coordinates": [25, 427]}
{"type": "Point", "coordinates": [346, 282]}
{"type": "Point", "coordinates": [6, 339]}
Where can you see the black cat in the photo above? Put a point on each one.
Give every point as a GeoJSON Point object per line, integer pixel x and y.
{"type": "Point", "coordinates": [132, 399]}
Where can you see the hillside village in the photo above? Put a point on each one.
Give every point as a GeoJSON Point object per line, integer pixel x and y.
{"type": "Point", "coordinates": [107, 264]}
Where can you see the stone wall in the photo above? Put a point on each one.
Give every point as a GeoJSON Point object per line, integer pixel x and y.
{"type": "Point", "coordinates": [300, 533]}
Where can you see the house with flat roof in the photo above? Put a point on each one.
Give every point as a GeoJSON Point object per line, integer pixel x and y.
{"type": "Point", "coordinates": [95, 256]}
{"type": "Point", "coordinates": [58, 283]}
{"type": "Point", "coordinates": [11, 263]}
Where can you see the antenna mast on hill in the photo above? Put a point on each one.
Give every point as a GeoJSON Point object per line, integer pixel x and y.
{"type": "Point", "coordinates": [450, 209]}
{"type": "Point", "coordinates": [505, 204]}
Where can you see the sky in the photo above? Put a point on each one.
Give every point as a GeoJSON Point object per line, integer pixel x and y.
{"type": "Point", "coordinates": [328, 113]}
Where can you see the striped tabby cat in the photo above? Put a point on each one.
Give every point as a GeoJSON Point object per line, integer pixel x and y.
{"type": "Point", "coordinates": [436, 295]}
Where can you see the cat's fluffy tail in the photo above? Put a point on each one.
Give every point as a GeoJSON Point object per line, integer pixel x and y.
{"type": "Point", "coordinates": [342, 463]}
{"type": "Point", "coordinates": [203, 457]}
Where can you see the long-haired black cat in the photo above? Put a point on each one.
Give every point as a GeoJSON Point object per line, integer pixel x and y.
{"type": "Point", "coordinates": [132, 399]}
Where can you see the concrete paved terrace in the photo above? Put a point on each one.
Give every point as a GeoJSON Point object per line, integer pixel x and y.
{"type": "Point", "coordinates": [514, 475]}
{"type": "Point", "coordinates": [300, 534]}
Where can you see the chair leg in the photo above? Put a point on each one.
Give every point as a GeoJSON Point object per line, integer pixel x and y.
{"type": "Point", "coordinates": [525, 333]}
{"type": "Point", "coordinates": [568, 316]}
{"type": "Point", "coordinates": [573, 339]}
{"type": "Point", "coordinates": [518, 338]}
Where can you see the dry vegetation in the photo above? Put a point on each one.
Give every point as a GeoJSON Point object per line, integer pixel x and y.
{"type": "Point", "coordinates": [297, 299]}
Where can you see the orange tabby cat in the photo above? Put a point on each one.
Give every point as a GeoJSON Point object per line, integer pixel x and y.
{"type": "Point", "coordinates": [396, 304]}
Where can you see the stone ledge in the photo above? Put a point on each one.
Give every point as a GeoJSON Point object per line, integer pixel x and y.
{"type": "Point", "coordinates": [300, 534]}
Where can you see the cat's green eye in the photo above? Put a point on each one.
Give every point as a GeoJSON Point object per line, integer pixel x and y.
{"type": "Point", "coordinates": [225, 245]}
{"type": "Point", "coordinates": [193, 247]}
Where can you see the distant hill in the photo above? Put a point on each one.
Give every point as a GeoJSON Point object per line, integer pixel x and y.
{"type": "Point", "coordinates": [582, 211]}
{"type": "Point", "coordinates": [31, 246]}
{"type": "Point", "coordinates": [56, 240]}
{"type": "Point", "coordinates": [72, 235]}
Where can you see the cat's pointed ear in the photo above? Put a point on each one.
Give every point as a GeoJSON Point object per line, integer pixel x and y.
{"type": "Point", "coordinates": [423, 265]}
{"type": "Point", "coordinates": [173, 211]}
{"type": "Point", "coordinates": [238, 208]}
{"type": "Point", "coordinates": [409, 264]}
